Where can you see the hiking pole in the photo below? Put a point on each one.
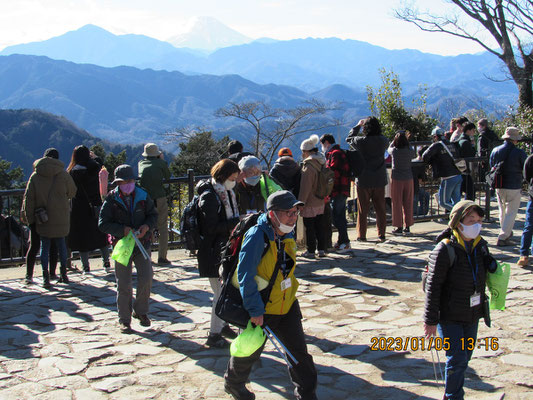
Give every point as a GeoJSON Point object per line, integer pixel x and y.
{"type": "Point", "coordinates": [440, 367]}
{"type": "Point", "coordinates": [270, 335]}
{"type": "Point", "coordinates": [434, 368]}
{"type": "Point", "coordinates": [140, 246]}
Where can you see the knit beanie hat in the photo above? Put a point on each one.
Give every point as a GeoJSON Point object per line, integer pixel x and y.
{"type": "Point", "coordinates": [459, 211]}
{"type": "Point", "coordinates": [310, 144]}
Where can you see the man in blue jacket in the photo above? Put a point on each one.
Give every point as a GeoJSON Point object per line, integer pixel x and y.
{"type": "Point", "coordinates": [509, 194]}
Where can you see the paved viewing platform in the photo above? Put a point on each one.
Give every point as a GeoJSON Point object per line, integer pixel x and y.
{"type": "Point", "coordinates": [66, 344]}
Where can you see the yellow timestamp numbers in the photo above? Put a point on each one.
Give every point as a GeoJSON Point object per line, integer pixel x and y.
{"type": "Point", "coordinates": [416, 343]}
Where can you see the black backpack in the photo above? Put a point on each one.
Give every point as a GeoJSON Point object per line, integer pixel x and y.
{"type": "Point", "coordinates": [189, 224]}
{"type": "Point", "coordinates": [230, 252]}
{"type": "Point", "coordinates": [357, 162]}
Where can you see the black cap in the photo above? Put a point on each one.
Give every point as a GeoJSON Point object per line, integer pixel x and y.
{"type": "Point", "coordinates": [123, 173]}
{"type": "Point", "coordinates": [52, 153]}
{"type": "Point", "coordinates": [282, 200]}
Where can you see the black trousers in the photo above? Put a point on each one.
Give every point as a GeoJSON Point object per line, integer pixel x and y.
{"type": "Point", "coordinates": [467, 187]}
{"type": "Point", "coordinates": [288, 328]}
{"type": "Point", "coordinates": [33, 249]}
{"type": "Point", "coordinates": [315, 231]}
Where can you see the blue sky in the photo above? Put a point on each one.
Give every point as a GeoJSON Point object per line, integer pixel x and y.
{"type": "Point", "coordinates": [23, 21]}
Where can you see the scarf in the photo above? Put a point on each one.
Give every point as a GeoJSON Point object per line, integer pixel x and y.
{"type": "Point", "coordinates": [229, 202]}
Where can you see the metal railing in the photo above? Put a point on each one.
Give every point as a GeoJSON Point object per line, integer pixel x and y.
{"type": "Point", "coordinates": [180, 191]}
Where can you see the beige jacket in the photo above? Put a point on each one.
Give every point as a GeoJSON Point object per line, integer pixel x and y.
{"type": "Point", "coordinates": [55, 199]}
{"type": "Point", "coordinates": [308, 183]}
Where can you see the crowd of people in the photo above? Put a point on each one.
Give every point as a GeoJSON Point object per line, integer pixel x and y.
{"type": "Point", "coordinates": [72, 210]}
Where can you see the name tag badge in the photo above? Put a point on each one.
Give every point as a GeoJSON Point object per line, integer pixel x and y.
{"type": "Point", "coordinates": [475, 299]}
{"type": "Point", "coordinates": [285, 284]}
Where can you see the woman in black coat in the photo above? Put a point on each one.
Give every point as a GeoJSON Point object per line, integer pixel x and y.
{"type": "Point", "coordinates": [455, 291]}
{"type": "Point", "coordinates": [84, 235]}
{"type": "Point", "coordinates": [219, 213]}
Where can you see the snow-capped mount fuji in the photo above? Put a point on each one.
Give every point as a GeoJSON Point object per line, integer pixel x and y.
{"type": "Point", "coordinates": [207, 33]}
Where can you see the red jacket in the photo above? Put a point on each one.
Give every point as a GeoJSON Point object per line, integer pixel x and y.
{"type": "Point", "coordinates": [336, 161]}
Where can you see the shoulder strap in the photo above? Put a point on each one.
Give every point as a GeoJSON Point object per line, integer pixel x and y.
{"type": "Point", "coordinates": [451, 251]}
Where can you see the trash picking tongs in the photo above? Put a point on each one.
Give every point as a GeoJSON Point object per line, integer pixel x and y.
{"type": "Point", "coordinates": [434, 368]}
{"type": "Point", "coordinates": [140, 246]}
{"type": "Point", "coordinates": [273, 339]}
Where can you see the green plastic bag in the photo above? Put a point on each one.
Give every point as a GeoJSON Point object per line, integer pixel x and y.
{"type": "Point", "coordinates": [123, 249]}
{"type": "Point", "coordinates": [497, 283]}
{"type": "Point", "coordinates": [248, 341]}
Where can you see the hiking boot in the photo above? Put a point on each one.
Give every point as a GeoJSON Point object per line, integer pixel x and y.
{"type": "Point", "coordinates": [321, 253]}
{"type": "Point", "coordinates": [125, 327]}
{"type": "Point", "coordinates": [397, 231]}
{"type": "Point", "coordinates": [308, 254]}
{"type": "Point", "coordinates": [524, 260]}
{"type": "Point", "coordinates": [145, 321]}
{"type": "Point", "coordinates": [239, 392]}
{"type": "Point", "coordinates": [216, 340]}
{"type": "Point", "coordinates": [228, 332]}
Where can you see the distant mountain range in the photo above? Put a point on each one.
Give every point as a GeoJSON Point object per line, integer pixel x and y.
{"type": "Point", "coordinates": [308, 64]}
{"type": "Point", "coordinates": [26, 134]}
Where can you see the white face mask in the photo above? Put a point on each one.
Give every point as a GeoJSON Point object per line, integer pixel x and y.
{"type": "Point", "coordinates": [471, 231]}
{"type": "Point", "coordinates": [229, 184]}
{"type": "Point", "coordinates": [282, 227]}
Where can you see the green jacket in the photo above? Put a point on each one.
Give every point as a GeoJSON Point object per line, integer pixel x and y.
{"type": "Point", "coordinates": [51, 187]}
{"type": "Point", "coordinates": [152, 172]}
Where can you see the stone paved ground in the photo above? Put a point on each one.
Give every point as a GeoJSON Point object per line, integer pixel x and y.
{"type": "Point", "coordinates": [65, 344]}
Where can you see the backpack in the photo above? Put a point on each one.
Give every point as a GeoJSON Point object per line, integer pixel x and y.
{"type": "Point", "coordinates": [356, 161]}
{"type": "Point", "coordinates": [230, 252]}
{"type": "Point", "coordinates": [189, 223]}
{"type": "Point", "coordinates": [325, 181]}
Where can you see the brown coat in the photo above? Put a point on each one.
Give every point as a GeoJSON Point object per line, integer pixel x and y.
{"type": "Point", "coordinates": [308, 183]}
{"type": "Point", "coordinates": [36, 195]}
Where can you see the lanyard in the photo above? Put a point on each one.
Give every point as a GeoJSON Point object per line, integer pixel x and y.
{"type": "Point", "coordinates": [474, 272]}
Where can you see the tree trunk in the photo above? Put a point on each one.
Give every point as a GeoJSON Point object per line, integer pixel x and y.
{"type": "Point", "coordinates": [525, 92]}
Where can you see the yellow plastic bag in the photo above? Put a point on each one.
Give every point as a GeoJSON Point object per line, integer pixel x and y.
{"type": "Point", "coordinates": [124, 249]}
{"type": "Point", "coordinates": [497, 283]}
{"type": "Point", "coordinates": [248, 342]}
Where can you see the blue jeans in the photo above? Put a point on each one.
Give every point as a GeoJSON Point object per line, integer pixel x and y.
{"type": "Point", "coordinates": [527, 234]}
{"type": "Point", "coordinates": [45, 251]}
{"type": "Point", "coordinates": [450, 191]}
{"type": "Point", "coordinates": [458, 355]}
{"type": "Point", "coordinates": [338, 208]}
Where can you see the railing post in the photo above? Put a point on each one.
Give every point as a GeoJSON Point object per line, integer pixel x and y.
{"type": "Point", "coordinates": [190, 175]}
{"type": "Point", "coordinates": [487, 195]}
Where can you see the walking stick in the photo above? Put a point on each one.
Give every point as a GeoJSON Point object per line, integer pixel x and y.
{"type": "Point", "coordinates": [271, 336]}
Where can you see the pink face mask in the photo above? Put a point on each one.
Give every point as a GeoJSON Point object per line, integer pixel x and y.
{"type": "Point", "coordinates": [127, 188]}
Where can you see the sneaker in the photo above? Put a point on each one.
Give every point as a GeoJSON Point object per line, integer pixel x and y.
{"type": "Point", "coordinates": [63, 279]}
{"type": "Point", "coordinates": [163, 261]}
{"type": "Point", "coordinates": [47, 284]}
{"type": "Point", "coordinates": [397, 231]}
{"type": "Point", "coordinates": [321, 253]}
{"type": "Point", "coordinates": [216, 340]}
{"type": "Point", "coordinates": [28, 280]}
{"type": "Point", "coordinates": [228, 332]}
{"type": "Point", "coordinates": [344, 247]}
{"type": "Point", "coordinates": [360, 239]}
{"type": "Point", "coordinates": [54, 277]}
{"type": "Point", "coordinates": [86, 271]}
{"type": "Point", "coordinates": [308, 254]}
{"type": "Point", "coordinates": [406, 231]}
{"type": "Point", "coordinates": [524, 260]}
{"type": "Point", "coordinates": [125, 327]}
{"type": "Point", "coordinates": [239, 392]}
{"type": "Point", "coordinates": [145, 321]}
{"type": "Point", "coordinates": [382, 238]}
{"type": "Point", "coordinates": [107, 266]}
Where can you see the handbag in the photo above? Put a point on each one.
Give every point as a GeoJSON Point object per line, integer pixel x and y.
{"type": "Point", "coordinates": [460, 163]}
{"type": "Point", "coordinates": [40, 213]}
{"type": "Point", "coordinates": [230, 307]}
